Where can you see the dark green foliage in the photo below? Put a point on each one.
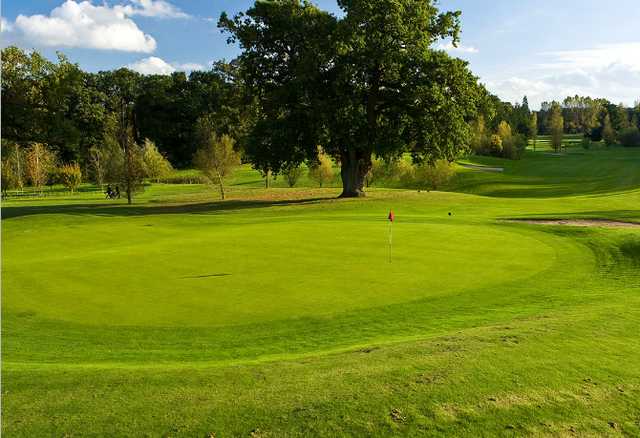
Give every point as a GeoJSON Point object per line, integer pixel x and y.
{"type": "Point", "coordinates": [629, 137]}
{"type": "Point", "coordinates": [361, 84]}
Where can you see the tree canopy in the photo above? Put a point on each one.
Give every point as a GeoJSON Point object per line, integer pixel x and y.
{"type": "Point", "coordinates": [366, 83]}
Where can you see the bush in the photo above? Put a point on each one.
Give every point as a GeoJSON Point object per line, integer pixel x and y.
{"type": "Point", "coordinates": [495, 144]}
{"type": "Point", "coordinates": [292, 174]}
{"type": "Point", "coordinates": [586, 142]}
{"type": "Point", "coordinates": [513, 148]}
{"type": "Point", "coordinates": [321, 171]}
{"type": "Point", "coordinates": [629, 137]}
{"type": "Point", "coordinates": [433, 176]}
{"type": "Point", "coordinates": [377, 172]}
{"type": "Point", "coordinates": [184, 179]}
{"type": "Point", "coordinates": [70, 176]}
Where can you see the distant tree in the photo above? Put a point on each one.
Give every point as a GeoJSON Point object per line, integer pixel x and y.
{"type": "Point", "coordinates": [292, 174]}
{"type": "Point", "coordinates": [556, 126]}
{"type": "Point", "coordinates": [504, 131]}
{"type": "Point", "coordinates": [156, 166]}
{"type": "Point", "coordinates": [40, 163]}
{"type": "Point", "coordinates": [533, 128]}
{"type": "Point", "coordinates": [97, 165]}
{"type": "Point", "coordinates": [608, 133]}
{"type": "Point", "coordinates": [216, 157]}
{"type": "Point", "coordinates": [479, 136]}
{"type": "Point", "coordinates": [70, 176]}
{"type": "Point", "coordinates": [321, 170]}
{"type": "Point", "coordinates": [13, 166]}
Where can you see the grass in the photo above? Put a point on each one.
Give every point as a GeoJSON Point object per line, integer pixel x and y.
{"type": "Point", "coordinates": [277, 312]}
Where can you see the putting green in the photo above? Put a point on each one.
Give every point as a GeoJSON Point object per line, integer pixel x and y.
{"type": "Point", "coordinates": [172, 270]}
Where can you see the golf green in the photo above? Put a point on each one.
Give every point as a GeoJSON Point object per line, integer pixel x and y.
{"type": "Point", "coordinates": [279, 312]}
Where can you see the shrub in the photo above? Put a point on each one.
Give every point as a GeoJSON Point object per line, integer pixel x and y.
{"type": "Point", "coordinates": [70, 176]}
{"type": "Point", "coordinates": [321, 171]}
{"type": "Point", "coordinates": [377, 172]}
{"type": "Point", "coordinates": [629, 137]}
{"type": "Point", "coordinates": [433, 176]}
{"type": "Point", "coordinates": [513, 148]}
{"type": "Point", "coordinates": [496, 144]}
{"type": "Point", "coordinates": [292, 174]}
{"type": "Point", "coordinates": [184, 179]}
{"type": "Point", "coordinates": [586, 142]}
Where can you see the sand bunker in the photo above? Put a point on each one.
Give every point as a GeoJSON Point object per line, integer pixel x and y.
{"type": "Point", "coordinates": [604, 223]}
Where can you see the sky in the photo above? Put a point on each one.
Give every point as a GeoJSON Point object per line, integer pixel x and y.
{"type": "Point", "coordinates": [544, 49]}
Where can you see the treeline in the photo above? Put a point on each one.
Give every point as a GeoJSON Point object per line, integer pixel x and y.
{"type": "Point", "coordinates": [107, 124]}
{"type": "Point", "coordinates": [61, 124]}
{"type": "Point", "coordinates": [504, 129]}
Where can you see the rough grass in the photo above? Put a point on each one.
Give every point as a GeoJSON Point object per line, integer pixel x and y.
{"type": "Point", "coordinates": [277, 312]}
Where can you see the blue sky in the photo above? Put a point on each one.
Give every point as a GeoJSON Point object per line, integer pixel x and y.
{"type": "Point", "coordinates": [544, 48]}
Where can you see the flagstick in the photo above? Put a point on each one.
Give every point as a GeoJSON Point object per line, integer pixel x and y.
{"type": "Point", "coordinates": [390, 239]}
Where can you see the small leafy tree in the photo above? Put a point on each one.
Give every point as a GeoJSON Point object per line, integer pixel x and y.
{"type": "Point", "coordinates": [70, 176]}
{"type": "Point", "coordinates": [40, 163]}
{"type": "Point", "coordinates": [216, 157]}
{"type": "Point", "coordinates": [13, 166]}
{"type": "Point", "coordinates": [533, 128]}
{"type": "Point", "coordinates": [97, 165]}
{"type": "Point", "coordinates": [479, 137]}
{"type": "Point", "coordinates": [504, 131]}
{"type": "Point", "coordinates": [156, 166]}
{"type": "Point", "coordinates": [321, 171]}
{"type": "Point", "coordinates": [292, 174]}
{"type": "Point", "coordinates": [556, 126]}
{"type": "Point", "coordinates": [608, 133]}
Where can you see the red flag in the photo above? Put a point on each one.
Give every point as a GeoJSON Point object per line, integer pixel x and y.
{"type": "Point", "coordinates": [391, 216]}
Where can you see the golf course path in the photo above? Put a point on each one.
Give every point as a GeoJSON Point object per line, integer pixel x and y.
{"type": "Point", "coordinates": [482, 168]}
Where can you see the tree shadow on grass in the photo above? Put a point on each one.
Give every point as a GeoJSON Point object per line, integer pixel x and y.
{"type": "Point", "coordinates": [102, 209]}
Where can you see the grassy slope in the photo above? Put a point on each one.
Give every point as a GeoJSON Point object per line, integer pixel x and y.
{"type": "Point", "coordinates": [477, 327]}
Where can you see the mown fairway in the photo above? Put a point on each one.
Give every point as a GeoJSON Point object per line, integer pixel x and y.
{"type": "Point", "coordinates": [277, 312]}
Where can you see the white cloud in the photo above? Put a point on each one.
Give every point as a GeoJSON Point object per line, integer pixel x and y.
{"type": "Point", "coordinates": [5, 25]}
{"type": "Point", "coordinates": [84, 25]}
{"type": "Point", "coordinates": [152, 8]}
{"type": "Point", "coordinates": [601, 56]}
{"type": "Point", "coordinates": [449, 47]}
{"type": "Point", "coordinates": [152, 66]}
{"type": "Point", "coordinates": [158, 66]}
{"type": "Point", "coordinates": [189, 66]}
{"type": "Point", "coordinates": [610, 71]}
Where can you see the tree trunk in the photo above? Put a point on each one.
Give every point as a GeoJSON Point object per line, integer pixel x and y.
{"type": "Point", "coordinates": [221, 183]}
{"type": "Point", "coordinates": [355, 165]}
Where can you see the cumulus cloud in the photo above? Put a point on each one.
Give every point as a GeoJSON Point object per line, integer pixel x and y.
{"type": "Point", "coordinates": [152, 8]}
{"type": "Point", "coordinates": [158, 66]}
{"type": "Point", "coordinates": [84, 25]}
{"type": "Point", "coordinates": [610, 71]}
{"type": "Point", "coordinates": [449, 47]}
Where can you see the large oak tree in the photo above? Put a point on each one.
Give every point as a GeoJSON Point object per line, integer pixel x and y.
{"type": "Point", "coordinates": [368, 82]}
